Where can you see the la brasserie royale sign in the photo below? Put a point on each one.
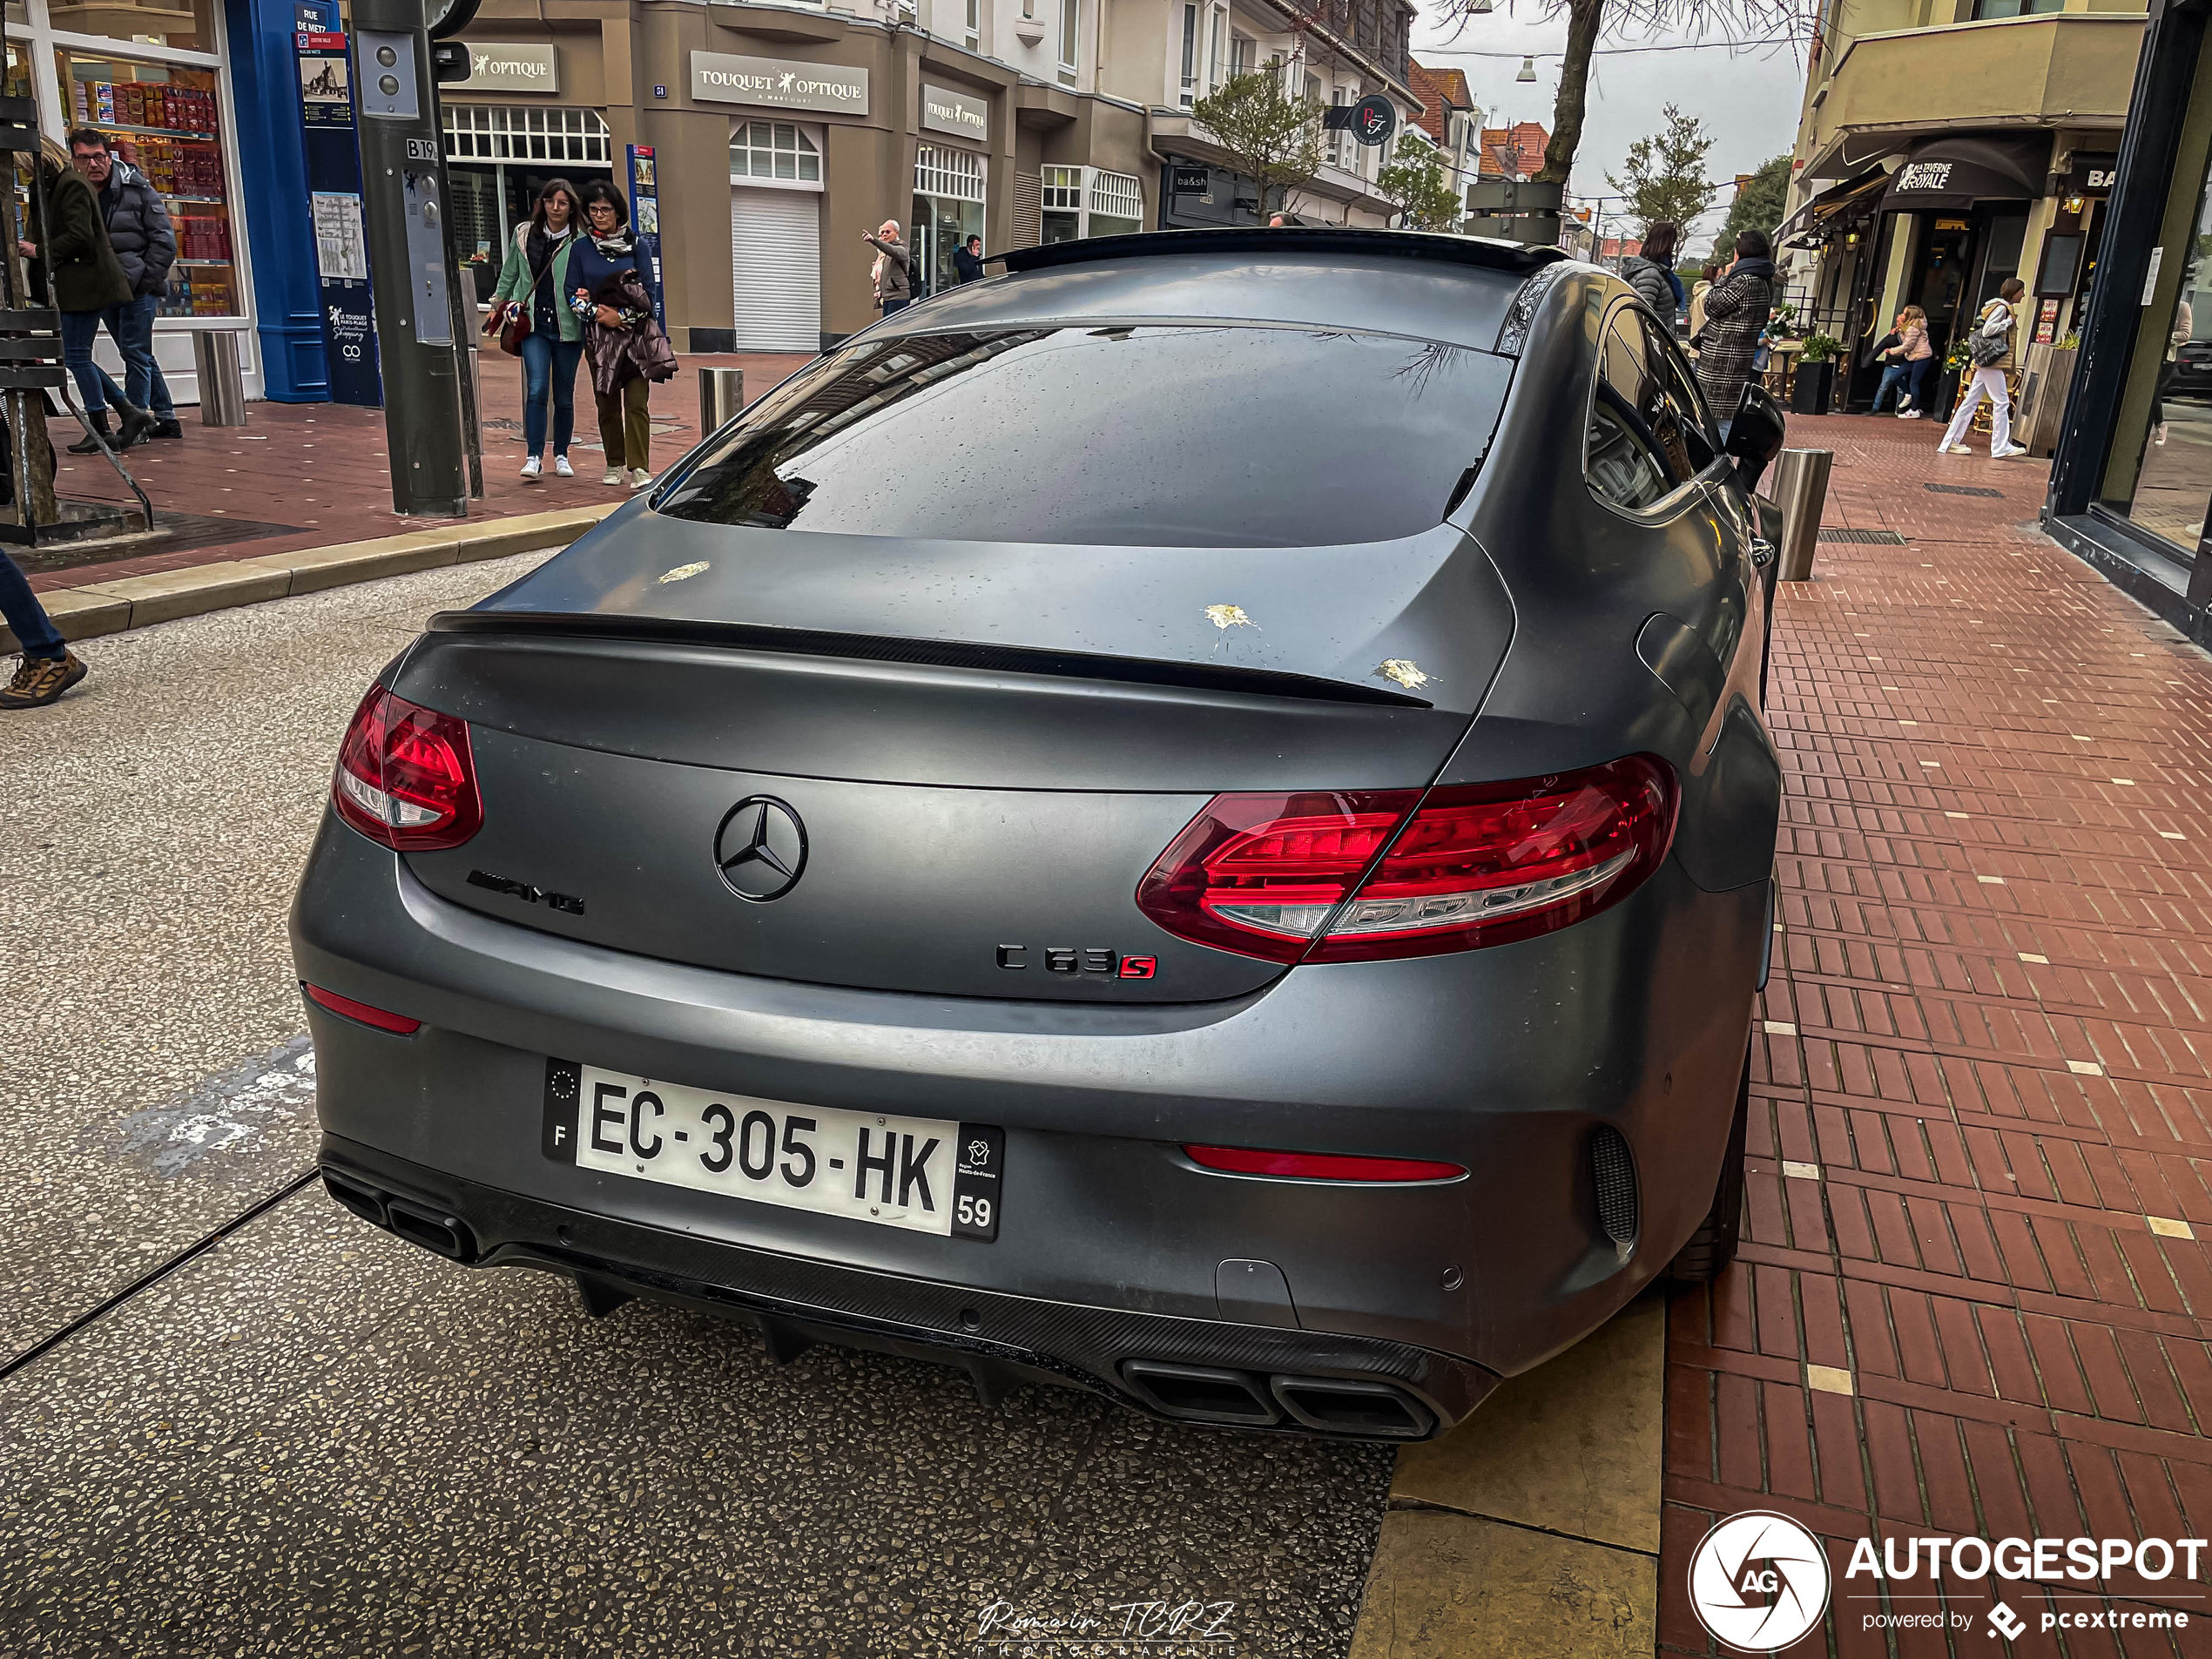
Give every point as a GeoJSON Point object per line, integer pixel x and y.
{"type": "Point", "coordinates": [776, 83]}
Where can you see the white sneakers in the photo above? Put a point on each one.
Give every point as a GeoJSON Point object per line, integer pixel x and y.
{"type": "Point", "coordinates": [1952, 449]}
{"type": "Point", "coordinates": [531, 469]}
{"type": "Point", "coordinates": [561, 468]}
{"type": "Point", "coordinates": [2158, 432]}
{"type": "Point", "coordinates": [639, 477]}
{"type": "Point", "coordinates": [613, 476]}
{"type": "Point", "coordinates": [2012, 453]}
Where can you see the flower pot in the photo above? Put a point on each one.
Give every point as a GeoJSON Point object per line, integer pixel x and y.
{"type": "Point", "coordinates": [1810, 387]}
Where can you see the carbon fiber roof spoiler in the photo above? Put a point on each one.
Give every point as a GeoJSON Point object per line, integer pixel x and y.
{"type": "Point", "coordinates": [1509, 258]}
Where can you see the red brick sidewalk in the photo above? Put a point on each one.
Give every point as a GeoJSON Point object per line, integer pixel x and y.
{"type": "Point", "coordinates": [1981, 1117]}
{"type": "Point", "coordinates": [304, 474]}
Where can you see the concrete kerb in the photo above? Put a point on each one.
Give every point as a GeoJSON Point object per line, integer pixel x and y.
{"type": "Point", "coordinates": [98, 607]}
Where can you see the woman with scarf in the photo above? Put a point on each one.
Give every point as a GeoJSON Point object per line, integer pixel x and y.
{"type": "Point", "coordinates": [533, 278]}
{"type": "Point", "coordinates": [627, 349]}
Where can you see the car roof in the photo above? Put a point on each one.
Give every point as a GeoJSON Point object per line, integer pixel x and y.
{"type": "Point", "coordinates": [1461, 291]}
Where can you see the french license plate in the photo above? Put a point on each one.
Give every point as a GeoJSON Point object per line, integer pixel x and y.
{"type": "Point", "coordinates": [927, 1175]}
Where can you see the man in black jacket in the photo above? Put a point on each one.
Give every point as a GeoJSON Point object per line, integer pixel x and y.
{"type": "Point", "coordinates": [138, 228]}
{"type": "Point", "coordinates": [967, 260]}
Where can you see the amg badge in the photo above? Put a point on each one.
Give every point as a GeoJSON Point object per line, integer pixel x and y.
{"type": "Point", "coordinates": [560, 901]}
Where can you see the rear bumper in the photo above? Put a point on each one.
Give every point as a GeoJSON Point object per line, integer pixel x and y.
{"type": "Point", "coordinates": [1505, 1062]}
{"type": "Point", "coordinates": [1000, 1340]}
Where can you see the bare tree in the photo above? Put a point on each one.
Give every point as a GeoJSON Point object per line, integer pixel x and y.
{"type": "Point", "coordinates": [1740, 23]}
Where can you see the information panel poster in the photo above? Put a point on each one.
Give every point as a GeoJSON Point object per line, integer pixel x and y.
{"type": "Point", "coordinates": [644, 222]}
{"type": "Point", "coordinates": [335, 195]}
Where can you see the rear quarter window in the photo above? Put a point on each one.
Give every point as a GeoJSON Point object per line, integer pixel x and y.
{"type": "Point", "coordinates": [1158, 435]}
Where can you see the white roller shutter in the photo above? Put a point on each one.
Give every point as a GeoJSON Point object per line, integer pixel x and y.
{"type": "Point", "coordinates": [776, 269]}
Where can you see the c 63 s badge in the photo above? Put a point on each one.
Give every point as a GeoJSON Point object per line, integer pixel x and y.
{"type": "Point", "coordinates": [1097, 963]}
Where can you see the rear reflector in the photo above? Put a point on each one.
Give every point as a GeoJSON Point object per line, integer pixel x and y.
{"type": "Point", "coordinates": [1319, 1166]}
{"type": "Point", "coordinates": [1355, 876]}
{"type": "Point", "coordinates": [382, 1019]}
{"type": "Point", "coordinates": [405, 776]}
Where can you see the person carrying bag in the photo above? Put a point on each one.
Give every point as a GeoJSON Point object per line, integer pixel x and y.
{"type": "Point", "coordinates": [1990, 348]}
{"type": "Point", "coordinates": [532, 323]}
{"type": "Point", "coordinates": [627, 348]}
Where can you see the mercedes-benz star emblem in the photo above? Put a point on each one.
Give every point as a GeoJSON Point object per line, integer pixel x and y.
{"type": "Point", "coordinates": [760, 849]}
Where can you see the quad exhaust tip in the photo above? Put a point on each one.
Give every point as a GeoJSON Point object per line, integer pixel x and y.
{"type": "Point", "coordinates": [448, 1236]}
{"type": "Point", "coordinates": [1247, 1400]}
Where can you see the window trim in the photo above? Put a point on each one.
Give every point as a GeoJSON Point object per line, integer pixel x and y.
{"type": "Point", "coordinates": [1676, 500]}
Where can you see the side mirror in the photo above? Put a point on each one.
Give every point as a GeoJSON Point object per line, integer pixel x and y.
{"type": "Point", "coordinates": [1755, 436]}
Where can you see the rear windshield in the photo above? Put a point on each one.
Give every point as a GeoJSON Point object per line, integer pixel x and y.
{"type": "Point", "coordinates": [1148, 436]}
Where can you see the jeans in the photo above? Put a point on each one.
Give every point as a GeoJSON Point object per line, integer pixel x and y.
{"type": "Point", "coordinates": [133, 326]}
{"type": "Point", "coordinates": [34, 630]}
{"type": "Point", "coordinates": [548, 363]}
{"type": "Point", "coordinates": [1893, 379]}
{"type": "Point", "coordinates": [1987, 383]}
{"type": "Point", "coordinates": [890, 305]}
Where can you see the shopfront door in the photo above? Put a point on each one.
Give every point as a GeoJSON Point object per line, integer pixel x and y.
{"type": "Point", "coordinates": [1938, 284]}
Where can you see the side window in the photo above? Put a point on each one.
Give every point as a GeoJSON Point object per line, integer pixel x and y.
{"type": "Point", "coordinates": [1699, 443]}
{"type": "Point", "coordinates": [1625, 458]}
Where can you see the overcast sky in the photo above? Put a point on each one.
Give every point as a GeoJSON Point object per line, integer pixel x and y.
{"type": "Point", "coordinates": [1747, 100]}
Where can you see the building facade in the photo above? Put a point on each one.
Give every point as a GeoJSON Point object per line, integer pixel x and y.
{"type": "Point", "coordinates": [1451, 123]}
{"type": "Point", "coordinates": [1947, 144]}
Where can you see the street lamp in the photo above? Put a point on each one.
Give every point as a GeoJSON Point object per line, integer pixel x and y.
{"type": "Point", "coordinates": [1528, 68]}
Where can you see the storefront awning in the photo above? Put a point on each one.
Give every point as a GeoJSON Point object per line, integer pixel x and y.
{"type": "Point", "coordinates": [1956, 172]}
{"type": "Point", "coordinates": [1801, 228]}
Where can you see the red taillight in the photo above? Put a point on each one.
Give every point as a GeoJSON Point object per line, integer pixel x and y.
{"type": "Point", "coordinates": [382, 1019]}
{"type": "Point", "coordinates": [1319, 1166]}
{"type": "Point", "coordinates": [1280, 876]}
{"type": "Point", "coordinates": [405, 777]}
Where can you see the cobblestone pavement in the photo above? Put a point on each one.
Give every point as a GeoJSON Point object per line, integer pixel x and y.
{"type": "Point", "coordinates": [306, 474]}
{"type": "Point", "coordinates": [1975, 1297]}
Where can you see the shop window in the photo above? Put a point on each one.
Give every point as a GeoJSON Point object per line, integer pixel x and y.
{"type": "Point", "coordinates": [1116, 203]}
{"type": "Point", "coordinates": [775, 150]}
{"type": "Point", "coordinates": [2160, 464]}
{"type": "Point", "coordinates": [496, 132]}
{"type": "Point", "coordinates": [188, 25]}
{"type": "Point", "coordinates": [1062, 204]}
{"type": "Point", "coordinates": [1071, 23]}
{"type": "Point", "coordinates": [955, 174]}
{"type": "Point", "coordinates": [165, 121]}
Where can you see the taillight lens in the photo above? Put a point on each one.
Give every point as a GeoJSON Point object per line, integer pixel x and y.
{"type": "Point", "coordinates": [368, 1013]}
{"type": "Point", "coordinates": [405, 777]}
{"type": "Point", "coordinates": [1361, 875]}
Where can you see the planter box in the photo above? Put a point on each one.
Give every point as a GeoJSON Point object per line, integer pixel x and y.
{"type": "Point", "coordinates": [1809, 386]}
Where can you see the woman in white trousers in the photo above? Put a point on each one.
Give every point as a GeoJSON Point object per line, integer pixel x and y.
{"type": "Point", "coordinates": [1997, 321]}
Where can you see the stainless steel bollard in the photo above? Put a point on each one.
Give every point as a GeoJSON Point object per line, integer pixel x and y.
{"type": "Point", "coordinates": [721, 395]}
{"type": "Point", "coordinates": [222, 388]}
{"type": "Point", "coordinates": [1801, 490]}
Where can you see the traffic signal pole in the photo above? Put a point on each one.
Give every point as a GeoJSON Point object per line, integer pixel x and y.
{"type": "Point", "coordinates": [404, 206]}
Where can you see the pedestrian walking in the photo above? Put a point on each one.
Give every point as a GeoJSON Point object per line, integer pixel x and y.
{"type": "Point", "coordinates": [79, 272]}
{"type": "Point", "coordinates": [1651, 272]}
{"type": "Point", "coordinates": [146, 245]}
{"type": "Point", "coordinates": [893, 272]}
{"type": "Point", "coordinates": [49, 667]}
{"type": "Point", "coordinates": [1990, 348]}
{"type": "Point", "coordinates": [627, 349]}
{"type": "Point", "coordinates": [1906, 356]}
{"type": "Point", "coordinates": [967, 260]}
{"type": "Point", "coordinates": [2183, 329]}
{"type": "Point", "coordinates": [1737, 308]}
{"type": "Point", "coordinates": [531, 284]}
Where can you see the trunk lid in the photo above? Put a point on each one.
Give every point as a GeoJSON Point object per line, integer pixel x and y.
{"type": "Point", "coordinates": [982, 760]}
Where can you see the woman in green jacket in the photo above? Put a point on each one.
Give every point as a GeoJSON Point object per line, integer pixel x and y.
{"type": "Point", "coordinates": [80, 271]}
{"type": "Point", "coordinates": [537, 263]}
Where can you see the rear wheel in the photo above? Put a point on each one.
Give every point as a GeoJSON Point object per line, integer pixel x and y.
{"type": "Point", "coordinates": [1712, 1247]}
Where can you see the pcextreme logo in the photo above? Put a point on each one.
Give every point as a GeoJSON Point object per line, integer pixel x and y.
{"type": "Point", "coordinates": [1759, 1582]}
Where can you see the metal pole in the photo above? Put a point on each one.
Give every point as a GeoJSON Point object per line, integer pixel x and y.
{"type": "Point", "coordinates": [404, 202]}
{"type": "Point", "coordinates": [1801, 491]}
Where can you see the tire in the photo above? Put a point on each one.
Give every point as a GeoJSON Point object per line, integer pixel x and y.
{"type": "Point", "coordinates": [1712, 1247]}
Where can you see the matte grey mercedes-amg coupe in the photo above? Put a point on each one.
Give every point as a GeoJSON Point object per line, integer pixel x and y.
{"type": "Point", "coordinates": [1190, 821]}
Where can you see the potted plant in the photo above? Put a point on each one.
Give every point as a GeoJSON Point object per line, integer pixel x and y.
{"type": "Point", "coordinates": [1816, 375]}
